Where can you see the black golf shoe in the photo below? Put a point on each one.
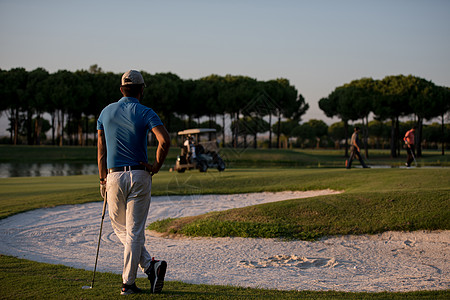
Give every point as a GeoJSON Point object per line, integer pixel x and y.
{"type": "Point", "coordinates": [130, 289]}
{"type": "Point", "coordinates": [156, 273]}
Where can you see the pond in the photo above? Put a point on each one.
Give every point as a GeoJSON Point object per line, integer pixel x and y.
{"type": "Point", "coordinates": [66, 169]}
{"type": "Point", "coordinates": [46, 169]}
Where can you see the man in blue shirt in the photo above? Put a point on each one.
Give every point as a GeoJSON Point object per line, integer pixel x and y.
{"type": "Point", "coordinates": [126, 176]}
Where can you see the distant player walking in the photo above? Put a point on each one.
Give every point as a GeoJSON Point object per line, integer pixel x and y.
{"type": "Point", "coordinates": [355, 150]}
{"type": "Point", "coordinates": [410, 145]}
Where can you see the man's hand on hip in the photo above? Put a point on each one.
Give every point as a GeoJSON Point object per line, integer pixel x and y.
{"type": "Point", "coordinates": [150, 168]}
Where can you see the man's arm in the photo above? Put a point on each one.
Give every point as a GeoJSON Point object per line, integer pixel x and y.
{"type": "Point", "coordinates": [406, 139]}
{"type": "Point", "coordinates": [163, 149]}
{"type": "Point", "coordinates": [101, 155]}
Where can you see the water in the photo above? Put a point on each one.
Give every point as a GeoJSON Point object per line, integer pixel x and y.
{"type": "Point", "coordinates": [45, 170]}
{"type": "Point", "coordinates": [66, 169]}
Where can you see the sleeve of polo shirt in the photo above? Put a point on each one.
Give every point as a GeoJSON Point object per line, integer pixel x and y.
{"type": "Point", "coordinates": [152, 119]}
{"type": "Point", "coordinates": [99, 122]}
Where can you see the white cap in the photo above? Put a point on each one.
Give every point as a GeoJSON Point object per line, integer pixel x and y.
{"type": "Point", "coordinates": [132, 77]}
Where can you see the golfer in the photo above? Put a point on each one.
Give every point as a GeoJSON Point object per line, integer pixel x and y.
{"type": "Point", "coordinates": [410, 146]}
{"type": "Point", "coordinates": [355, 149]}
{"type": "Point", "coordinates": [126, 176]}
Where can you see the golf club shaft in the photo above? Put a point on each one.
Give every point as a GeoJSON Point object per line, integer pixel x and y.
{"type": "Point", "coordinates": [99, 239]}
{"type": "Point", "coordinates": [412, 153]}
{"type": "Point", "coordinates": [414, 157]}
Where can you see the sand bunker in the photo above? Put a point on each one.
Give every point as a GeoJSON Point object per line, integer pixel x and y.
{"type": "Point", "coordinates": [392, 261]}
{"type": "Point", "coordinates": [290, 261]}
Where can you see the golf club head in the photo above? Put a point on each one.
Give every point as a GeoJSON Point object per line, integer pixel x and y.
{"type": "Point", "coordinates": [86, 287]}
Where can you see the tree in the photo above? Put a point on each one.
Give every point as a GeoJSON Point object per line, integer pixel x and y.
{"type": "Point", "coordinates": [425, 101]}
{"type": "Point", "coordinates": [337, 133]}
{"type": "Point", "coordinates": [162, 93]}
{"type": "Point", "coordinates": [44, 125]}
{"type": "Point", "coordinates": [82, 94]}
{"type": "Point", "coordinates": [291, 105]}
{"type": "Point", "coordinates": [227, 98]}
{"type": "Point", "coordinates": [95, 69]}
{"type": "Point", "coordinates": [14, 88]}
{"type": "Point", "coordinates": [391, 103]}
{"type": "Point", "coordinates": [287, 129]}
{"type": "Point", "coordinates": [271, 93]}
{"type": "Point", "coordinates": [214, 102]}
{"type": "Point", "coordinates": [249, 125]}
{"type": "Point", "coordinates": [105, 90]}
{"type": "Point", "coordinates": [183, 108]}
{"type": "Point", "coordinates": [247, 89]}
{"type": "Point", "coordinates": [304, 135]}
{"type": "Point", "coordinates": [361, 93]}
{"type": "Point", "coordinates": [311, 133]}
{"type": "Point", "coordinates": [378, 130]}
{"type": "Point", "coordinates": [4, 97]}
{"type": "Point", "coordinates": [339, 104]}
{"type": "Point", "coordinates": [37, 103]}
{"type": "Point", "coordinates": [202, 103]}
{"type": "Point", "coordinates": [234, 92]}
{"type": "Point", "coordinates": [258, 125]}
{"type": "Point", "coordinates": [431, 134]}
{"type": "Point", "coordinates": [61, 96]}
{"type": "Point", "coordinates": [319, 130]}
{"type": "Point", "coordinates": [444, 98]}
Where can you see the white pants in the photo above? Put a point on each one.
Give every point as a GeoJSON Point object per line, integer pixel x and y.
{"type": "Point", "coordinates": [129, 197]}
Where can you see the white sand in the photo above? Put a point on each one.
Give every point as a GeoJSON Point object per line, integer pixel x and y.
{"type": "Point", "coordinates": [392, 261]}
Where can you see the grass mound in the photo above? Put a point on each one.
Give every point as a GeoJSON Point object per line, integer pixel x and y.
{"type": "Point", "coordinates": [375, 201]}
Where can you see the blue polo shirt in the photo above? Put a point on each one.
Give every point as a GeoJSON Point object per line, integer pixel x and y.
{"type": "Point", "coordinates": [126, 124]}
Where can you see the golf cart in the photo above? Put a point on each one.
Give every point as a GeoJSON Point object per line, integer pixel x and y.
{"type": "Point", "coordinates": [199, 151]}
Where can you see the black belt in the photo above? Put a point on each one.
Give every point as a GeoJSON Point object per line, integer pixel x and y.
{"type": "Point", "coordinates": [127, 168]}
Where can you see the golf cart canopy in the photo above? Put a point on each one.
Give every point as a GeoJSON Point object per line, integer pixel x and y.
{"type": "Point", "coordinates": [196, 131]}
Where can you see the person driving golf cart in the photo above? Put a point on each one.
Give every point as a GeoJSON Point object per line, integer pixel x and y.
{"type": "Point", "coordinates": [190, 147]}
{"type": "Point", "coordinates": [198, 152]}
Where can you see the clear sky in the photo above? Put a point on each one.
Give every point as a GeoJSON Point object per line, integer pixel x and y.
{"type": "Point", "coordinates": [316, 44]}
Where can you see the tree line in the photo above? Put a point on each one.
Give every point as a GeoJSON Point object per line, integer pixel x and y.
{"type": "Point", "coordinates": [390, 99]}
{"type": "Point", "coordinates": [74, 101]}
{"type": "Point", "coordinates": [317, 134]}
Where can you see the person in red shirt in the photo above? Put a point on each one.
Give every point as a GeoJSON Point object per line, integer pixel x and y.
{"type": "Point", "coordinates": [410, 145]}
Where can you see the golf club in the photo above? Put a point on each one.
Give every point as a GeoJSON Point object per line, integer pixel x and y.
{"type": "Point", "coordinates": [414, 157]}
{"type": "Point", "coordinates": [98, 245]}
{"type": "Point", "coordinates": [412, 153]}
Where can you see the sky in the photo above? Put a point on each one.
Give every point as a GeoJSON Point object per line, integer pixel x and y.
{"type": "Point", "coordinates": [317, 45]}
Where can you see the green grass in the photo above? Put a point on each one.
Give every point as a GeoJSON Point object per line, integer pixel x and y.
{"type": "Point", "coordinates": [22, 154]}
{"type": "Point", "coordinates": [22, 279]}
{"type": "Point", "coordinates": [374, 200]}
{"type": "Point", "coordinates": [288, 158]}
{"type": "Point", "coordinates": [19, 194]}
{"type": "Point", "coordinates": [44, 154]}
